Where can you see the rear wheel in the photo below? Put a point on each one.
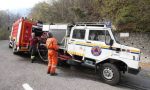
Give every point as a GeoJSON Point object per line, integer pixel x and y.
{"type": "Point", "coordinates": [63, 62]}
{"type": "Point", "coordinates": [15, 49]}
{"type": "Point", "coordinates": [10, 46]}
{"type": "Point", "coordinates": [110, 74]}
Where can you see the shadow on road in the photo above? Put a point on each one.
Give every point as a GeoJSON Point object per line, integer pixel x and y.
{"type": "Point", "coordinates": [26, 57]}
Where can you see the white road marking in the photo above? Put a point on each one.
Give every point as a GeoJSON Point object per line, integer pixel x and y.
{"type": "Point", "coordinates": [27, 86]}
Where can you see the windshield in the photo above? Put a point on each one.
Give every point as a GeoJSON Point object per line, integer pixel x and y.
{"type": "Point", "coordinates": [115, 36]}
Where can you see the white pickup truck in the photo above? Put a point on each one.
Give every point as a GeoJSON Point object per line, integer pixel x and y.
{"type": "Point", "coordinates": [93, 44]}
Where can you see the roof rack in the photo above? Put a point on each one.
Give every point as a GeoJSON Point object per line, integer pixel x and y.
{"type": "Point", "coordinates": [98, 24]}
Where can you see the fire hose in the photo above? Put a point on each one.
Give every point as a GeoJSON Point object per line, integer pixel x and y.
{"type": "Point", "coordinates": [40, 53]}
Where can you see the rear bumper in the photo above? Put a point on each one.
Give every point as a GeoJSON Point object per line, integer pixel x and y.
{"type": "Point", "coordinates": [23, 49]}
{"type": "Point", "coordinates": [134, 71]}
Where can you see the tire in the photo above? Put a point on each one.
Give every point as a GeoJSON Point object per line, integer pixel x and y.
{"type": "Point", "coordinates": [15, 49]}
{"type": "Point", "coordinates": [63, 63]}
{"type": "Point", "coordinates": [110, 74]}
{"type": "Point", "coordinates": [9, 45]}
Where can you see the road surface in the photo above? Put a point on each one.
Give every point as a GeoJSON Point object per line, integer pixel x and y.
{"type": "Point", "coordinates": [18, 73]}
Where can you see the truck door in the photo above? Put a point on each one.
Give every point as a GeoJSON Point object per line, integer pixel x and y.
{"type": "Point", "coordinates": [76, 42]}
{"type": "Point", "coordinates": [26, 33]}
{"type": "Point", "coordinates": [96, 47]}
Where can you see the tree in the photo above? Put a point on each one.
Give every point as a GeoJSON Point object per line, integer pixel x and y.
{"type": "Point", "coordinates": [6, 20]}
{"type": "Point", "coordinates": [41, 11]}
{"type": "Point", "coordinates": [129, 15]}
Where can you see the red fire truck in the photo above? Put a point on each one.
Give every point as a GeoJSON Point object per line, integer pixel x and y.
{"type": "Point", "coordinates": [21, 34]}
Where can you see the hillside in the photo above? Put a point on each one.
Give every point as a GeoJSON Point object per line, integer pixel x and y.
{"type": "Point", "coordinates": [126, 15]}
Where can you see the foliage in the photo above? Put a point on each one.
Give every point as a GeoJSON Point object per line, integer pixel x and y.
{"type": "Point", "coordinates": [6, 20]}
{"type": "Point", "coordinates": [128, 15]}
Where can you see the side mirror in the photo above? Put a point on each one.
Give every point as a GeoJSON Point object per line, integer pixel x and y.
{"type": "Point", "coordinates": [111, 42]}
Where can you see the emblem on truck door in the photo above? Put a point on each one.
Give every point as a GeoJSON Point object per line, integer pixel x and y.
{"type": "Point", "coordinates": [96, 50]}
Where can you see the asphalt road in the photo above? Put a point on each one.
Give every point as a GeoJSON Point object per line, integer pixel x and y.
{"type": "Point", "coordinates": [17, 73]}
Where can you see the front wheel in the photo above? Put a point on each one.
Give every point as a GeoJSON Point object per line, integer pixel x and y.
{"type": "Point", "coordinates": [110, 74]}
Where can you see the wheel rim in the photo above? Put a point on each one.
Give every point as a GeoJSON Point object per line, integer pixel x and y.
{"type": "Point", "coordinates": [108, 73]}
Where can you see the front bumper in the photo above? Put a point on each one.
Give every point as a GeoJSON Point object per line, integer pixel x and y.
{"type": "Point", "coordinates": [134, 71]}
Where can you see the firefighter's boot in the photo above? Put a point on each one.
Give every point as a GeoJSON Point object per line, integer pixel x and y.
{"type": "Point", "coordinates": [32, 59]}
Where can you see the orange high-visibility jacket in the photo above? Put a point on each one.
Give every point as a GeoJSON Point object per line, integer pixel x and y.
{"type": "Point", "coordinates": [51, 44]}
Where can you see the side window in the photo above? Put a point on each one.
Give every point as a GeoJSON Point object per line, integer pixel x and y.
{"type": "Point", "coordinates": [78, 34]}
{"type": "Point", "coordinates": [101, 35]}
{"type": "Point", "coordinates": [97, 35]}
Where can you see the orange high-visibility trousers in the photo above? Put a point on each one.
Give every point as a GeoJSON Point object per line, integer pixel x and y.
{"type": "Point", "coordinates": [52, 46]}
{"type": "Point", "coordinates": [52, 61]}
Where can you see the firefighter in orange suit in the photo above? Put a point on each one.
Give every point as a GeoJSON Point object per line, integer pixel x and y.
{"type": "Point", "coordinates": [52, 46]}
